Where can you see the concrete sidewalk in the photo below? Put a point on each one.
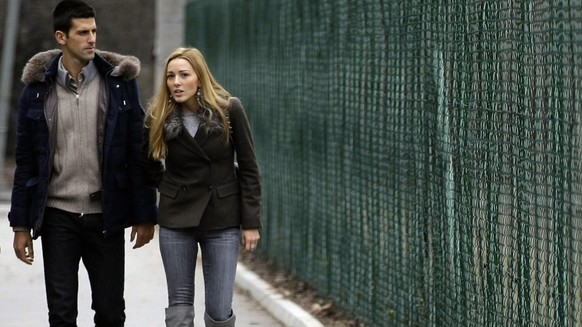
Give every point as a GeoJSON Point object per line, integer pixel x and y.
{"type": "Point", "coordinates": [23, 300]}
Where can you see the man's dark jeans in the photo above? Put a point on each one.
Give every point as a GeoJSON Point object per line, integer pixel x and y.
{"type": "Point", "coordinates": [68, 238]}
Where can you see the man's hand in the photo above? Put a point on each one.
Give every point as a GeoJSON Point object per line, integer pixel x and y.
{"type": "Point", "coordinates": [144, 232]}
{"type": "Point", "coordinates": [23, 247]}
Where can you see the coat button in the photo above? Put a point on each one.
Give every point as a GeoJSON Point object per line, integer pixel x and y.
{"type": "Point", "coordinates": [184, 188]}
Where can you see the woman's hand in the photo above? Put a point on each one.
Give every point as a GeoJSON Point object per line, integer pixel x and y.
{"type": "Point", "coordinates": [250, 239]}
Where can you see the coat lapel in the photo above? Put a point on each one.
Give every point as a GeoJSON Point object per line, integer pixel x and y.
{"type": "Point", "coordinates": [175, 130]}
{"type": "Point", "coordinates": [194, 143]}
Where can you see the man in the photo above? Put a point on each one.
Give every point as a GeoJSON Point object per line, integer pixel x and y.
{"type": "Point", "coordinates": [78, 183]}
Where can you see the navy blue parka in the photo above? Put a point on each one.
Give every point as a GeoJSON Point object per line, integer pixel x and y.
{"type": "Point", "coordinates": [126, 198]}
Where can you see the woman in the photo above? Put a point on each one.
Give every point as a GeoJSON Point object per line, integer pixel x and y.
{"type": "Point", "coordinates": [196, 127]}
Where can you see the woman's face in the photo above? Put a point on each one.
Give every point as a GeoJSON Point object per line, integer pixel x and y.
{"type": "Point", "coordinates": [182, 82]}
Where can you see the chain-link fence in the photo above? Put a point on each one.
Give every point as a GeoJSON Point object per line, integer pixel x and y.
{"type": "Point", "coordinates": [420, 159]}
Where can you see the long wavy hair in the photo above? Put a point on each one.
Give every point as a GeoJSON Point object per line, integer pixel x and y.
{"type": "Point", "coordinates": [215, 100]}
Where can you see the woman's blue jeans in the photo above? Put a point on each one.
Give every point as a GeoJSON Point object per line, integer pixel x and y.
{"type": "Point", "coordinates": [179, 249]}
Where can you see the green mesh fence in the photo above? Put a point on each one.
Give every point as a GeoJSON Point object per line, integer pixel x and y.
{"type": "Point", "coordinates": [420, 159]}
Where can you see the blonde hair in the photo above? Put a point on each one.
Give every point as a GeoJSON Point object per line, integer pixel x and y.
{"type": "Point", "coordinates": [215, 99]}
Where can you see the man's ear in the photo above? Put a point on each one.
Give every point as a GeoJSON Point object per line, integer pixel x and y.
{"type": "Point", "coordinates": [61, 37]}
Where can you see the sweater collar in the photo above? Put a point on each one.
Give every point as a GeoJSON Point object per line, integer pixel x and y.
{"type": "Point", "coordinates": [88, 73]}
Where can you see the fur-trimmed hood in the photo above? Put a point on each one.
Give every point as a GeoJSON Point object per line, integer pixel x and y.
{"type": "Point", "coordinates": [125, 67]}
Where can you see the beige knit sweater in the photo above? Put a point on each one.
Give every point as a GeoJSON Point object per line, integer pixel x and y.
{"type": "Point", "coordinates": [76, 169]}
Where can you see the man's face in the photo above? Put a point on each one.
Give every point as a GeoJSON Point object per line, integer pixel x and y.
{"type": "Point", "coordinates": [79, 44]}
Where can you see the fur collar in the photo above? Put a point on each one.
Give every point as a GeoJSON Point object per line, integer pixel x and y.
{"type": "Point", "coordinates": [126, 67]}
{"type": "Point", "coordinates": [175, 123]}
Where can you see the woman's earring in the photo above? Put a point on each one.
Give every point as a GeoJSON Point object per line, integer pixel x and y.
{"type": "Point", "coordinates": [199, 95]}
{"type": "Point", "coordinates": [170, 100]}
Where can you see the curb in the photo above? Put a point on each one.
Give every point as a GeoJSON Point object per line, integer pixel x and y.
{"type": "Point", "coordinates": [287, 312]}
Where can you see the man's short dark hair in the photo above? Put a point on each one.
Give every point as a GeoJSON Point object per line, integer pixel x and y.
{"type": "Point", "coordinates": [67, 10]}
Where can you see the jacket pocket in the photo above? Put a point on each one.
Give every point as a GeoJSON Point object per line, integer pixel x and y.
{"type": "Point", "coordinates": [125, 107]}
{"type": "Point", "coordinates": [227, 189]}
{"type": "Point", "coordinates": [38, 128]}
{"type": "Point", "coordinates": [32, 182]}
{"type": "Point", "coordinates": [168, 189]}
{"type": "Point", "coordinates": [36, 115]}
